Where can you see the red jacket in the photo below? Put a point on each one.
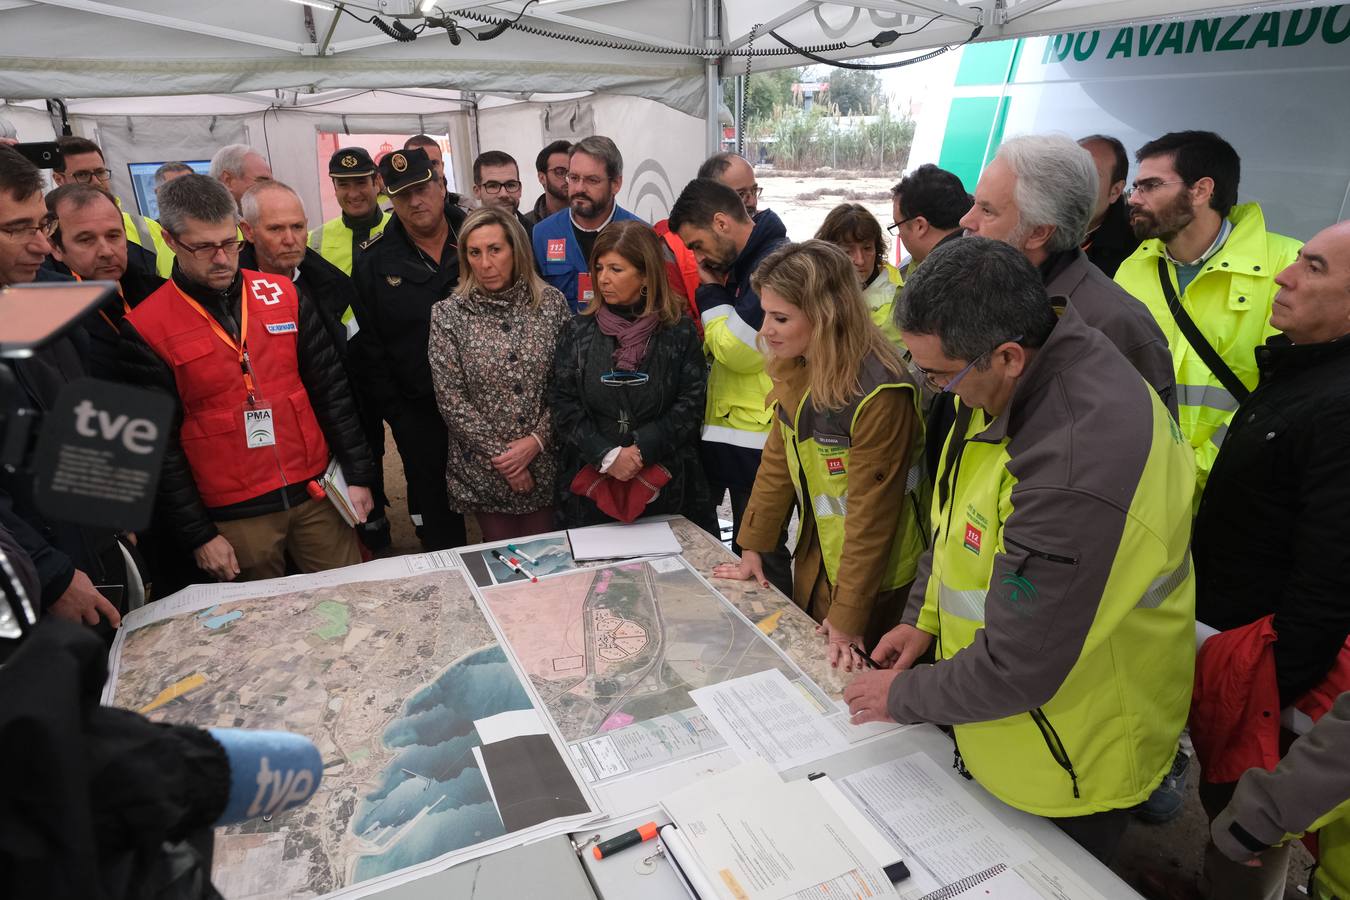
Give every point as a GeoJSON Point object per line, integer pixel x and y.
{"type": "Point", "coordinates": [211, 390]}
{"type": "Point", "coordinates": [1235, 707]}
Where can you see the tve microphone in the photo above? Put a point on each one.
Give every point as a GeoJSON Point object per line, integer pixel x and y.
{"type": "Point", "coordinates": [270, 772]}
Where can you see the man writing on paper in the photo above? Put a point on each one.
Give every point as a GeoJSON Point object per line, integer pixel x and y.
{"type": "Point", "coordinates": [262, 397]}
{"type": "Point", "coordinates": [1058, 584]}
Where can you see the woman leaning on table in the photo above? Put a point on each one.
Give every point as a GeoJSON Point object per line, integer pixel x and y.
{"type": "Point", "coordinates": [848, 436]}
{"type": "Point", "coordinates": [628, 392]}
{"type": "Point", "coordinates": [491, 353]}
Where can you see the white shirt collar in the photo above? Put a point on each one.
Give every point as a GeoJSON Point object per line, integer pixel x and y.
{"type": "Point", "coordinates": [1224, 230]}
{"type": "Point", "coordinates": [608, 219]}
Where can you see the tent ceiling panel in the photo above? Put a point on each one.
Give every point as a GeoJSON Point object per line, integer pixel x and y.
{"type": "Point", "coordinates": [93, 48]}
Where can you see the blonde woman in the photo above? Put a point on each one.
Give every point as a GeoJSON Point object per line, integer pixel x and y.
{"type": "Point", "coordinates": [848, 433]}
{"type": "Point", "coordinates": [628, 392]}
{"type": "Point", "coordinates": [491, 354]}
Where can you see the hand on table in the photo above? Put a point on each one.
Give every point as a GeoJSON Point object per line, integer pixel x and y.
{"type": "Point", "coordinates": [837, 646]}
{"type": "Point", "coordinates": [750, 566]}
{"type": "Point", "coordinates": [899, 647]}
{"type": "Point", "coordinates": [866, 696]}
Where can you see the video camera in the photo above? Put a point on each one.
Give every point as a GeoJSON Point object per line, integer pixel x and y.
{"type": "Point", "coordinates": [94, 455]}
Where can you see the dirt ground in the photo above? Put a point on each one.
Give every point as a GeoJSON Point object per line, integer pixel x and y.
{"type": "Point", "coordinates": [802, 201]}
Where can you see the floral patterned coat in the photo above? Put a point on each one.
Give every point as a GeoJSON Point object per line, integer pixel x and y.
{"type": "Point", "coordinates": [491, 358]}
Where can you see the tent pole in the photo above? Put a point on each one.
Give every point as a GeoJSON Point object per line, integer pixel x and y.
{"type": "Point", "coordinates": [712, 30]}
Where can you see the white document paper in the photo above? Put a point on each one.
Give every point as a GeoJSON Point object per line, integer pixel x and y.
{"type": "Point", "coordinates": [623, 541]}
{"type": "Point", "coordinates": [932, 817]}
{"type": "Point", "coordinates": [756, 838]}
{"type": "Point", "coordinates": [509, 724]}
{"type": "Point", "coordinates": [764, 716]}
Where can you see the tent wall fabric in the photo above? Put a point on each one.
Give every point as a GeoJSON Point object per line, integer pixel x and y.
{"type": "Point", "coordinates": [661, 148]}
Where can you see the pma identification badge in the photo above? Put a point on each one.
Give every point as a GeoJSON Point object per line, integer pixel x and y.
{"type": "Point", "coordinates": [834, 465]}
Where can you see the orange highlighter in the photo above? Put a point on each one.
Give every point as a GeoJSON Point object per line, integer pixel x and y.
{"type": "Point", "coordinates": [624, 841]}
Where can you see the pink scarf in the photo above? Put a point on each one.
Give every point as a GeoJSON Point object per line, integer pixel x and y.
{"type": "Point", "coordinates": [633, 335]}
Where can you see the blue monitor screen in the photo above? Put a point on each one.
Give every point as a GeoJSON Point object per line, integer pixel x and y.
{"type": "Point", "coordinates": [143, 182]}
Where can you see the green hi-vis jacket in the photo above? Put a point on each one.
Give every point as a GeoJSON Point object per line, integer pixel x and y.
{"type": "Point", "coordinates": [818, 444]}
{"type": "Point", "coordinates": [1229, 301]}
{"type": "Point", "coordinates": [148, 234]}
{"type": "Point", "coordinates": [333, 241]}
{"type": "Point", "coordinates": [1059, 586]}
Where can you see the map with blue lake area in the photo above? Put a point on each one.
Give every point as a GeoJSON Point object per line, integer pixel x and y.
{"type": "Point", "coordinates": [390, 679]}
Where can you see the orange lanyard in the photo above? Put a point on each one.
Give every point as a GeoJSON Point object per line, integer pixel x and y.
{"type": "Point", "coordinates": [126, 307]}
{"type": "Point", "coordinates": [241, 347]}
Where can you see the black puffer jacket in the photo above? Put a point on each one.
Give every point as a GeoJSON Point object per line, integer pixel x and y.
{"type": "Point", "coordinates": [663, 416]}
{"type": "Point", "coordinates": [324, 378]}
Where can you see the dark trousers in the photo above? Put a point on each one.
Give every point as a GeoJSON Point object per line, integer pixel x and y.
{"type": "Point", "coordinates": [778, 564]}
{"type": "Point", "coordinates": [423, 444]}
{"type": "Point", "coordinates": [1099, 833]}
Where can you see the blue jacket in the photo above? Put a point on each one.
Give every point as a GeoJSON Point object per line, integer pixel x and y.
{"type": "Point", "coordinates": [562, 274]}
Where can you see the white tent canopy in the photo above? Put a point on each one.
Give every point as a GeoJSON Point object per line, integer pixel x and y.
{"type": "Point", "coordinates": [647, 48]}
{"type": "Point", "coordinates": [152, 79]}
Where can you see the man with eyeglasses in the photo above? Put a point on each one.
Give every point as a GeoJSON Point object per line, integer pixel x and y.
{"type": "Point", "coordinates": [356, 185]}
{"type": "Point", "coordinates": [262, 400]}
{"type": "Point", "coordinates": [736, 173]}
{"type": "Point", "coordinates": [926, 209]}
{"type": "Point", "coordinates": [81, 162]}
{"type": "Point", "coordinates": [563, 241]}
{"type": "Point", "coordinates": [1058, 586]}
{"type": "Point", "coordinates": [550, 167]}
{"type": "Point", "coordinates": [1206, 270]}
{"type": "Point", "coordinates": [496, 181]}
{"type": "Point", "coordinates": [70, 560]}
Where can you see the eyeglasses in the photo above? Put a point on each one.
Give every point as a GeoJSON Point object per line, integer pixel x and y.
{"type": "Point", "coordinates": [496, 187]}
{"type": "Point", "coordinates": [625, 379]}
{"type": "Point", "coordinates": [894, 227]}
{"type": "Point", "coordinates": [558, 171]}
{"type": "Point", "coordinates": [209, 251]}
{"type": "Point", "coordinates": [85, 176]}
{"type": "Point", "coordinates": [27, 232]}
{"type": "Point", "coordinates": [750, 193]}
{"type": "Point", "coordinates": [943, 384]}
{"type": "Point", "coordinates": [591, 180]}
{"type": "Point", "coordinates": [1148, 186]}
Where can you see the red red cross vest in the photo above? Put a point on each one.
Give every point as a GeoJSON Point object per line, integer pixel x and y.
{"type": "Point", "coordinates": [212, 393]}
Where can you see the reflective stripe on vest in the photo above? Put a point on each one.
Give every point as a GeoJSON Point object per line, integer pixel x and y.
{"type": "Point", "coordinates": [817, 444]}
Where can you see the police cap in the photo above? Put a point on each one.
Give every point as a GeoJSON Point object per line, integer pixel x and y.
{"type": "Point", "coordinates": [351, 162]}
{"type": "Point", "coordinates": [405, 168]}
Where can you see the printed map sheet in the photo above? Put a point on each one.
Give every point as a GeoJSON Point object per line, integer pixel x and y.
{"type": "Point", "coordinates": [388, 678]}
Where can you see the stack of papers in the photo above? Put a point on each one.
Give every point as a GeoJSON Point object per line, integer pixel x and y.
{"type": "Point", "coordinates": [752, 837]}
{"type": "Point", "coordinates": [335, 486]}
{"type": "Point", "coordinates": [623, 541]}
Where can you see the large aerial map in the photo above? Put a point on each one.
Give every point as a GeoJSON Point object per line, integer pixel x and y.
{"type": "Point", "coordinates": [388, 678]}
{"type": "Point", "coordinates": [614, 651]}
